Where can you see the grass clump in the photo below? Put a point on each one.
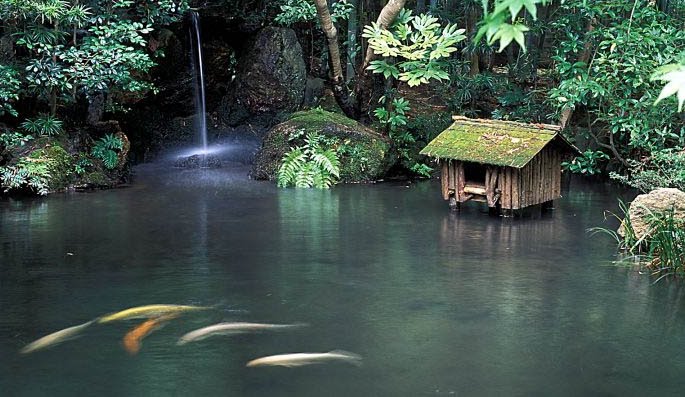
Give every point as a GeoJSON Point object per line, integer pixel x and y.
{"type": "Point", "coordinates": [660, 249]}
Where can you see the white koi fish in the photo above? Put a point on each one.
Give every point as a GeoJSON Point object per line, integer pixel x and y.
{"type": "Point", "coordinates": [232, 328]}
{"type": "Point", "coordinates": [300, 359]}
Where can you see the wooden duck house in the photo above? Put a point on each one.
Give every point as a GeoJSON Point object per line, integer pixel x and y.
{"type": "Point", "coordinates": [506, 164]}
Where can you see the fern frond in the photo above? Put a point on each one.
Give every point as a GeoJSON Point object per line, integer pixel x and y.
{"type": "Point", "coordinates": [305, 178]}
{"type": "Point", "coordinates": [291, 164]}
{"type": "Point", "coordinates": [328, 160]}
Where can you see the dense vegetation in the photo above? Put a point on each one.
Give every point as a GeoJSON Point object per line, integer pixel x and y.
{"type": "Point", "coordinates": [402, 66]}
{"type": "Point", "coordinates": [60, 56]}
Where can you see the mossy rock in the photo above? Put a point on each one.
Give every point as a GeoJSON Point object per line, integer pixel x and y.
{"type": "Point", "coordinates": [58, 163]}
{"type": "Point", "coordinates": [363, 152]}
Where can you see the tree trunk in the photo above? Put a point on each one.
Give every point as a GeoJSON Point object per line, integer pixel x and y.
{"type": "Point", "coordinates": [339, 87]}
{"type": "Point", "coordinates": [352, 33]}
{"type": "Point", "coordinates": [420, 6]}
{"type": "Point", "coordinates": [471, 29]}
{"type": "Point", "coordinates": [584, 57]}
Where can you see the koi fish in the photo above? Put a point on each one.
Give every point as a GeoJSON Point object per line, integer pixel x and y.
{"type": "Point", "coordinates": [55, 338]}
{"type": "Point", "coordinates": [132, 340]}
{"type": "Point", "coordinates": [148, 311]}
{"type": "Point", "coordinates": [231, 328]}
{"type": "Point", "coordinates": [300, 359]}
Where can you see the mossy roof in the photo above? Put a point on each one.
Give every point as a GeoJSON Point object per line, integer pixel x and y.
{"type": "Point", "coordinates": [496, 142]}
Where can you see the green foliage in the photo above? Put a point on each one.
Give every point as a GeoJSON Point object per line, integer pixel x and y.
{"type": "Point", "coordinates": [13, 139]}
{"type": "Point", "coordinates": [82, 164]}
{"type": "Point", "coordinates": [415, 45]}
{"type": "Point", "coordinates": [495, 25]}
{"type": "Point", "coordinates": [413, 49]}
{"type": "Point", "coordinates": [67, 47]}
{"type": "Point", "coordinates": [40, 171]}
{"type": "Point", "coordinates": [674, 74]}
{"type": "Point", "coordinates": [665, 168]}
{"type": "Point", "coordinates": [33, 176]}
{"type": "Point", "coordinates": [315, 164]}
{"type": "Point", "coordinates": [587, 163]}
{"type": "Point", "coordinates": [613, 88]}
{"type": "Point", "coordinates": [106, 150]}
{"type": "Point", "coordinates": [45, 125]}
{"type": "Point", "coordinates": [294, 11]}
{"type": "Point", "coordinates": [9, 89]}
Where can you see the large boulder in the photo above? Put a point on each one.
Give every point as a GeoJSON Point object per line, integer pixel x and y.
{"type": "Point", "coordinates": [270, 79]}
{"type": "Point", "coordinates": [363, 153]}
{"type": "Point", "coordinates": [655, 202]}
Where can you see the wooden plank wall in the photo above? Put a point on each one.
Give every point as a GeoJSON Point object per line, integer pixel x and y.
{"type": "Point", "coordinates": [541, 178]}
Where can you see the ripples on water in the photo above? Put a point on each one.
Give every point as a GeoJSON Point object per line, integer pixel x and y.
{"type": "Point", "coordinates": [436, 303]}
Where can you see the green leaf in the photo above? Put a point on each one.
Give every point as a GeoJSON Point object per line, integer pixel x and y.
{"type": "Point", "coordinates": [675, 76]}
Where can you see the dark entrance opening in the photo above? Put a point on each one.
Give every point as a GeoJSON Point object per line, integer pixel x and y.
{"type": "Point", "coordinates": [474, 173]}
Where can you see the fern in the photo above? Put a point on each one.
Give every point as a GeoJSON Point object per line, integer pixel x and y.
{"type": "Point", "coordinates": [106, 149]}
{"type": "Point", "coordinates": [291, 165]}
{"type": "Point", "coordinates": [33, 175]}
{"type": "Point", "coordinates": [311, 165]}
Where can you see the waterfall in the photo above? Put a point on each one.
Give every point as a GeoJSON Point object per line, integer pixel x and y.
{"type": "Point", "coordinates": [199, 78]}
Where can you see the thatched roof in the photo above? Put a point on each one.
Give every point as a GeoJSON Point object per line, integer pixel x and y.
{"type": "Point", "coordinates": [496, 142]}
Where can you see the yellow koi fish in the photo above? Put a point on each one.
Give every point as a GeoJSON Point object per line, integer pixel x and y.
{"type": "Point", "coordinates": [55, 338]}
{"type": "Point", "coordinates": [148, 311]}
{"type": "Point", "coordinates": [300, 359]}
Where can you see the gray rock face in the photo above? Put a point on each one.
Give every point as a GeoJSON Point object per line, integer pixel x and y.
{"type": "Point", "coordinates": [656, 201]}
{"type": "Point", "coordinates": [270, 78]}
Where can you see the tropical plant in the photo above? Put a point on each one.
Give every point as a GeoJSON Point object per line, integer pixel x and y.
{"type": "Point", "coordinates": [9, 89]}
{"type": "Point", "coordinates": [313, 164]}
{"type": "Point", "coordinates": [46, 125]}
{"type": "Point", "coordinates": [106, 150]}
{"type": "Point", "coordinates": [587, 163]}
{"type": "Point", "coordinates": [412, 48]}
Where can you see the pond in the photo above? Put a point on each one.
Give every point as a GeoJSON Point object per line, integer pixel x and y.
{"type": "Point", "coordinates": [436, 303]}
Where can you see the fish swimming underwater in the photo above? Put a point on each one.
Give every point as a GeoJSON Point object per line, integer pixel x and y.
{"type": "Point", "coordinates": [132, 340]}
{"type": "Point", "coordinates": [231, 328]}
{"type": "Point", "coordinates": [148, 311]}
{"type": "Point", "coordinates": [55, 338]}
{"type": "Point", "coordinates": [300, 359]}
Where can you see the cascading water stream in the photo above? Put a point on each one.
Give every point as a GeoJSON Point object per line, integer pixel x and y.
{"type": "Point", "coordinates": [198, 73]}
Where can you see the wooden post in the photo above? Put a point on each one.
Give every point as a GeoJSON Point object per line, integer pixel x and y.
{"type": "Point", "coordinates": [444, 178]}
{"type": "Point", "coordinates": [515, 176]}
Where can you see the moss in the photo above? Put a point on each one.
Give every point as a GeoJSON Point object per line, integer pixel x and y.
{"type": "Point", "coordinates": [95, 178]}
{"type": "Point", "coordinates": [319, 118]}
{"type": "Point", "coordinates": [492, 142]}
{"type": "Point", "coordinates": [59, 164]}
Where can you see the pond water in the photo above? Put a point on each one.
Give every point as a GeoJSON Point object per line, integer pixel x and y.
{"type": "Point", "coordinates": [436, 303]}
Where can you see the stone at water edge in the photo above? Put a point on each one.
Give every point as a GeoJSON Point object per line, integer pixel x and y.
{"type": "Point", "coordinates": [656, 201]}
{"type": "Point", "coordinates": [197, 161]}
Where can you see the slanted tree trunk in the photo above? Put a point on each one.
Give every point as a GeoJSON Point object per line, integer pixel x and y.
{"type": "Point", "coordinates": [584, 57]}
